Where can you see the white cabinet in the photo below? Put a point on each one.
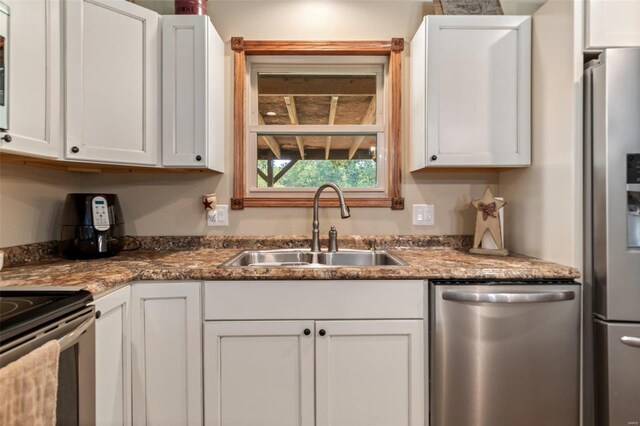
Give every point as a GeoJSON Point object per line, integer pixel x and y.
{"type": "Point", "coordinates": [113, 358]}
{"type": "Point", "coordinates": [112, 82]}
{"type": "Point", "coordinates": [192, 93]}
{"type": "Point", "coordinates": [33, 55]}
{"type": "Point", "coordinates": [470, 94]}
{"type": "Point", "coordinates": [369, 373]}
{"type": "Point", "coordinates": [262, 372]}
{"type": "Point", "coordinates": [259, 373]}
{"type": "Point", "coordinates": [307, 367]}
{"type": "Point", "coordinates": [166, 353]}
{"type": "Point", "coordinates": [612, 23]}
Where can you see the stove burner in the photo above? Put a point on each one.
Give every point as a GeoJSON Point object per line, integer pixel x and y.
{"type": "Point", "coordinates": [11, 306]}
{"type": "Point", "coordinates": [7, 307]}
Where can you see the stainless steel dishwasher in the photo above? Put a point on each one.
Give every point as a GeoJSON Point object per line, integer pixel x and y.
{"type": "Point", "coordinates": [505, 353]}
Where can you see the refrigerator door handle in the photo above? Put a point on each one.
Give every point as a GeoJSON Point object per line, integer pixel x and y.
{"type": "Point", "coordinates": [464, 296]}
{"type": "Point", "coordinates": [631, 341]}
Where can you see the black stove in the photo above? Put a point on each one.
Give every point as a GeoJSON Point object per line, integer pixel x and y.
{"type": "Point", "coordinates": [22, 311]}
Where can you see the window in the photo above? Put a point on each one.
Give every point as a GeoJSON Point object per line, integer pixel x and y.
{"type": "Point", "coordinates": [301, 121]}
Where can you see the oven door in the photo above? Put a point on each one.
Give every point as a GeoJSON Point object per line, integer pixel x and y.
{"type": "Point", "coordinates": [76, 370]}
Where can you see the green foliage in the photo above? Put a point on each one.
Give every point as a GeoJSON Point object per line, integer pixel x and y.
{"type": "Point", "coordinates": [312, 173]}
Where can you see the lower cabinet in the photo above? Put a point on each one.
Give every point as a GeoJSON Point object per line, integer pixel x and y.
{"type": "Point", "coordinates": [356, 372]}
{"type": "Point", "coordinates": [113, 358]}
{"type": "Point", "coordinates": [166, 353]}
{"type": "Point", "coordinates": [149, 355]}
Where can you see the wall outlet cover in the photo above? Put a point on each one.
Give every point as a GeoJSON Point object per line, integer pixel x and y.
{"type": "Point", "coordinates": [218, 216]}
{"type": "Point", "coordinates": [423, 214]}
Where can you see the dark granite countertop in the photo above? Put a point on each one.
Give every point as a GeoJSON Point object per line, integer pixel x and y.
{"type": "Point", "coordinates": [102, 275]}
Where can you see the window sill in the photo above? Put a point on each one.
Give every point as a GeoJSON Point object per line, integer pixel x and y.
{"type": "Point", "coordinates": [386, 202]}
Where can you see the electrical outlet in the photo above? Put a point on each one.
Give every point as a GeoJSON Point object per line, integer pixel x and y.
{"type": "Point", "coordinates": [423, 214]}
{"type": "Point", "coordinates": [218, 216]}
{"type": "Point", "coordinates": [429, 215]}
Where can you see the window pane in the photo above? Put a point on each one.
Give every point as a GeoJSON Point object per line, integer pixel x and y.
{"type": "Point", "coordinates": [311, 160]}
{"type": "Point", "coordinates": [316, 99]}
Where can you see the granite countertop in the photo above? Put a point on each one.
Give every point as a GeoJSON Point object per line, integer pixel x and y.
{"type": "Point", "coordinates": [101, 275]}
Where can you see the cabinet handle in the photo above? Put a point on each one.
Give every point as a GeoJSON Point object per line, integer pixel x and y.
{"type": "Point", "coordinates": [322, 332]}
{"type": "Point", "coordinates": [7, 138]}
{"type": "Point", "coordinates": [75, 149]}
{"type": "Point", "coordinates": [98, 314]}
{"type": "Point", "coordinates": [307, 332]}
{"type": "Point", "coordinates": [198, 157]}
{"type": "Point", "coordinates": [434, 157]}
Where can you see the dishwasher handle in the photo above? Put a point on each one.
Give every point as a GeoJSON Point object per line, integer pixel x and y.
{"type": "Point", "coordinates": [631, 341]}
{"type": "Point", "coordinates": [505, 297]}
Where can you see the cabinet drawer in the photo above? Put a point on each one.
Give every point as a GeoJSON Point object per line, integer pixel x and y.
{"type": "Point", "coordinates": [249, 300]}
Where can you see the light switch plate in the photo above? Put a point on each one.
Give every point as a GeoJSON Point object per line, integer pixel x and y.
{"type": "Point", "coordinates": [218, 216]}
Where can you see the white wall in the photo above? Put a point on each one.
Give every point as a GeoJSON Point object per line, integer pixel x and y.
{"type": "Point", "coordinates": [545, 200]}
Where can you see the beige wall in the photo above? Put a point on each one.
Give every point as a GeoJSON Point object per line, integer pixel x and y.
{"type": "Point", "coordinates": [169, 204]}
{"type": "Point", "coordinates": [30, 201]}
{"type": "Point", "coordinates": [545, 200]}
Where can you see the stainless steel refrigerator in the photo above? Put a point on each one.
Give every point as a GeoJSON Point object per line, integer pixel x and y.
{"type": "Point", "coordinates": [612, 234]}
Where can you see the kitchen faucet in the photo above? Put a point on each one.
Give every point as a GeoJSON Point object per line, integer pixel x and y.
{"type": "Point", "coordinates": [344, 213]}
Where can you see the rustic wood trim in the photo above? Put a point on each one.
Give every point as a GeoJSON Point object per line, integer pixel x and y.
{"type": "Point", "coordinates": [395, 129]}
{"type": "Point", "coordinates": [397, 44]}
{"type": "Point", "coordinates": [239, 176]}
{"type": "Point", "coordinates": [392, 48]}
{"type": "Point", "coordinates": [84, 167]}
{"type": "Point", "coordinates": [324, 202]}
{"type": "Point", "coordinates": [287, 47]}
{"type": "Point", "coordinates": [237, 44]}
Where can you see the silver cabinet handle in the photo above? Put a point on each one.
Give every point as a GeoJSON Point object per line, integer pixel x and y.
{"type": "Point", "coordinates": [465, 296]}
{"type": "Point", "coordinates": [631, 341]}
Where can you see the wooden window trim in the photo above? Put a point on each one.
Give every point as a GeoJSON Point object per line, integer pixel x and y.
{"type": "Point", "coordinates": [393, 49]}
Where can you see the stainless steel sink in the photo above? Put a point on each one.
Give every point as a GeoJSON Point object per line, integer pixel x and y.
{"type": "Point", "coordinates": [301, 258]}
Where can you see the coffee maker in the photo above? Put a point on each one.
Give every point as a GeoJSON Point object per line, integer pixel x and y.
{"type": "Point", "coordinates": [91, 226]}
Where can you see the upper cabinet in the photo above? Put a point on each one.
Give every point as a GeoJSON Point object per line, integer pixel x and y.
{"type": "Point", "coordinates": [471, 92]}
{"type": "Point", "coordinates": [112, 82]}
{"type": "Point", "coordinates": [192, 93]}
{"type": "Point", "coordinates": [612, 23]}
{"type": "Point", "coordinates": [32, 82]}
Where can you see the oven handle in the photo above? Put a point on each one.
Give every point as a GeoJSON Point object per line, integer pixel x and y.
{"type": "Point", "coordinates": [69, 339]}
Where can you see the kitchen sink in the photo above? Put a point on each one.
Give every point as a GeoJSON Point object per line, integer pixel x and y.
{"type": "Point", "coordinates": [301, 258]}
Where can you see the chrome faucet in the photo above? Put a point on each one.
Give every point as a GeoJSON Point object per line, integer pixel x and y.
{"type": "Point", "coordinates": [344, 213]}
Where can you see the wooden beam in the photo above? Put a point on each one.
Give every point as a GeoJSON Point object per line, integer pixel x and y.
{"type": "Point", "coordinates": [263, 175]}
{"type": "Point", "coordinates": [284, 170]}
{"type": "Point", "coordinates": [293, 116]}
{"type": "Point", "coordinates": [332, 118]}
{"type": "Point", "coordinates": [271, 141]}
{"type": "Point", "coordinates": [369, 118]}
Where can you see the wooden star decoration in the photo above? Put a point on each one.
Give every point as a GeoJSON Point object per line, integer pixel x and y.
{"type": "Point", "coordinates": [208, 205]}
{"type": "Point", "coordinates": [487, 220]}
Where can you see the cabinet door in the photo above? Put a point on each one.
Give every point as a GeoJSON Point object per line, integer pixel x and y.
{"type": "Point", "coordinates": [612, 23]}
{"type": "Point", "coordinates": [34, 78]}
{"type": "Point", "coordinates": [167, 353]}
{"type": "Point", "coordinates": [258, 373]}
{"type": "Point", "coordinates": [113, 358]}
{"type": "Point", "coordinates": [476, 110]}
{"type": "Point", "coordinates": [369, 373]}
{"type": "Point", "coordinates": [113, 82]}
{"type": "Point", "coordinates": [192, 93]}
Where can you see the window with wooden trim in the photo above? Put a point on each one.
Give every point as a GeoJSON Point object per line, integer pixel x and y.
{"type": "Point", "coordinates": [307, 113]}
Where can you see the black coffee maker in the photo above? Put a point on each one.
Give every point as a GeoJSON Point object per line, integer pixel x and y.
{"type": "Point", "coordinates": [91, 226]}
